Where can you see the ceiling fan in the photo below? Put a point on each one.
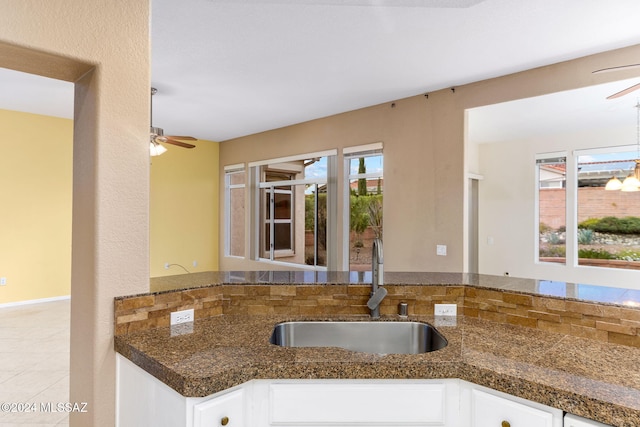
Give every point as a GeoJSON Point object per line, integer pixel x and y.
{"type": "Point", "coordinates": [620, 68]}
{"type": "Point", "coordinates": [158, 137]}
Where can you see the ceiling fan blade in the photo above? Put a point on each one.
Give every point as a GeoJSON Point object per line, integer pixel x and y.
{"type": "Point", "coordinates": [186, 138]}
{"type": "Point", "coordinates": [170, 140]}
{"type": "Point", "coordinates": [624, 92]}
{"type": "Point", "coordinates": [618, 68]}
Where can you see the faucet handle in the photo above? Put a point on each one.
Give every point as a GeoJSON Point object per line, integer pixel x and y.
{"type": "Point", "coordinates": [376, 298]}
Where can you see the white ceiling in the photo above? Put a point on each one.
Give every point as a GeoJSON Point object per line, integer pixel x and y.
{"type": "Point", "coordinates": [227, 68]}
{"type": "Point", "coordinates": [557, 113]}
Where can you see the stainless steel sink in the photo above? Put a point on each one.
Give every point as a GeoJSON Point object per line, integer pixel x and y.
{"type": "Point", "coordinates": [369, 337]}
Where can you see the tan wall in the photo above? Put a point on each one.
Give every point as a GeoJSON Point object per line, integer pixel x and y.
{"type": "Point", "coordinates": [424, 157]}
{"type": "Point", "coordinates": [102, 46]}
{"type": "Point", "coordinates": [402, 130]}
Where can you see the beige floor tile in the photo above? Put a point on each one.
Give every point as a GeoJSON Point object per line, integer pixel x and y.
{"type": "Point", "coordinates": [34, 362]}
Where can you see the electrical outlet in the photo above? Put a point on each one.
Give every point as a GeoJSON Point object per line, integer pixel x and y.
{"type": "Point", "coordinates": [445, 309]}
{"type": "Point", "coordinates": [182, 316]}
{"type": "Point", "coordinates": [166, 265]}
{"type": "Point", "coordinates": [3, 281]}
{"type": "Point", "coordinates": [441, 250]}
{"type": "Point", "coordinates": [195, 263]}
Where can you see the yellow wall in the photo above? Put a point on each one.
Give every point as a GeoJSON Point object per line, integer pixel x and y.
{"type": "Point", "coordinates": [184, 209]}
{"type": "Point", "coordinates": [35, 215]}
{"type": "Point", "coordinates": [35, 220]}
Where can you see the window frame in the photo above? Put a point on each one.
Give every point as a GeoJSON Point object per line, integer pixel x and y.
{"type": "Point", "coordinates": [228, 172]}
{"type": "Point", "coordinates": [541, 159]}
{"type": "Point", "coordinates": [268, 219]}
{"type": "Point", "coordinates": [349, 153]}
{"type": "Point", "coordinates": [257, 183]}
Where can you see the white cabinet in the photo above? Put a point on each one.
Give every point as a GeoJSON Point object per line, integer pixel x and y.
{"type": "Point", "coordinates": [145, 401]}
{"type": "Point", "coordinates": [490, 408]}
{"type": "Point", "coordinates": [225, 410]}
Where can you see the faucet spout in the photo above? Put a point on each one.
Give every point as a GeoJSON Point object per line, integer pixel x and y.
{"type": "Point", "coordinates": [377, 279]}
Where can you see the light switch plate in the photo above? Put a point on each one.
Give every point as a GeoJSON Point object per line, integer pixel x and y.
{"type": "Point", "coordinates": [445, 309]}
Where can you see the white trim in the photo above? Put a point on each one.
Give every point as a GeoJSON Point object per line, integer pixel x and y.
{"type": "Point", "coordinates": [35, 301]}
{"type": "Point", "coordinates": [293, 264]}
{"type": "Point", "coordinates": [605, 150]}
{"type": "Point", "coordinates": [325, 153]}
{"type": "Point", "coordinates": [551, 155]}
{"type": "Point", "coordinates": [234, 168]}
{"type": "Point", "coordinates": [269, 184]}
{"type": "Point", "coordinates": [372, 175]}
{"type": "Point", "coordinates": [360, 148]}
{"type": "Point", "coordinates": [471, 175]}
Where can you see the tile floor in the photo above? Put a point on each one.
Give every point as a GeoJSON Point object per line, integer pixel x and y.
{"type": "Point", "coordinates": [34, 362]}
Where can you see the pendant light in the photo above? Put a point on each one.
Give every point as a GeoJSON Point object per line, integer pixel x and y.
{"type": "Point", "coordinates": [631, 182]}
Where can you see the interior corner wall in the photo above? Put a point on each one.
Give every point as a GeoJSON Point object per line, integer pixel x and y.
{"type": "Point", "coordinates": [184, 210]}
{"type": "Point", "coordinates": [35, 218]}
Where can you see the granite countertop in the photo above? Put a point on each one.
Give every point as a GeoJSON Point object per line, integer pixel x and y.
{"type": "Point", "coordinates": [596, 380]}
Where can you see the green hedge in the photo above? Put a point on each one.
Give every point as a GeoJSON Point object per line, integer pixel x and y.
{"type": "Point", "coordinates": [613, 225]}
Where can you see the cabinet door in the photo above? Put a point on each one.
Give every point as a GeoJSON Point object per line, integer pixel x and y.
{"type": "Point", "coordinates": [226, 410]}
{"type": "Point", "coordinates": [576, 421]}
{"type": "Point", "coordinates": [488, 410]}
{"type": "Point", "coordinates": [362, 404]}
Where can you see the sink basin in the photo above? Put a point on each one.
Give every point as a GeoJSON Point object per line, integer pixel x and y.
{"type": "Point", "coordinates": [368, 337]}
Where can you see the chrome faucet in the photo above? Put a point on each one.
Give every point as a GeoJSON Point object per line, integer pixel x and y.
{"type": "Point", "coordinates": [377, 269]}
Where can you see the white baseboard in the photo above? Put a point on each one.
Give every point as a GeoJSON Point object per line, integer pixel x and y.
{"type": "Point", "coordinates": [34, 301]}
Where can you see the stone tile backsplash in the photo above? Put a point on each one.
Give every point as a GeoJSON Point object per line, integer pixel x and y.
{"type": "Point", "coordinates": [602, 322]}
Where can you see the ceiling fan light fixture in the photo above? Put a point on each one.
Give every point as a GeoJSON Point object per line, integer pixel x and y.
{"type": "Point", "coordinates": [158, 137]}
{"type": "Point", "coordinates": [156, 149]}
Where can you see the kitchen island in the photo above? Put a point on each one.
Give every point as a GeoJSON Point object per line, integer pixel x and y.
{"type": "Point", "coordinates": [492, 342]}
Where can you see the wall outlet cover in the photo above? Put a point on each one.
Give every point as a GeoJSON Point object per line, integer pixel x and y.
{"type": "Point", "coordinates": [441, 250]}
{"type": "Point", "coordinates": [445, 309]}
{"type": "Point", "coordinates": [3, 281]}
{"type": "Point", "coordinates": [182, 316]}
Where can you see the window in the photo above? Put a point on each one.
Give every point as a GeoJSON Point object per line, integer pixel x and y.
{"type": "Point", "coordinates": [552, 212]}
{"type": "Point", "coordinates": [363, 196]}
{"type": "Point", "coordinates": [234, 210]}
{"type": "Point", "coordinates": [608, 222]}
{"type": "Point", "coordinates": [277, 215]}
{"type": "Point", "coordinates": [604, 230]}
{"type": "Point", "coordinates": [292, 203]}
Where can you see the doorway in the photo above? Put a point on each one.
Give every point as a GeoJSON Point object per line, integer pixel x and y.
{"type": "Point", "coordinates": [35, 265]}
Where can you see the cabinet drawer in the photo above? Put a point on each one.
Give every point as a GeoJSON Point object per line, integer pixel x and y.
{"type": "Point", "coordinates": [488, 410]}
{"type": "Point", "coordinates": [226, 410]}
{"type": "Point", "coordinates": [357, 404]}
